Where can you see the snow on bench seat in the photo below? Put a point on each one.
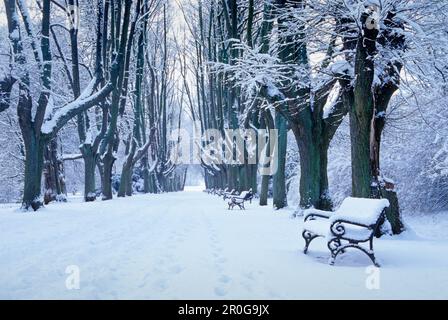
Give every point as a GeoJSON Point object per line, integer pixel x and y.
{"type": "Point", "coordinates": [356, 221]}
{"type": "Point", "coordinates": [360, 210]}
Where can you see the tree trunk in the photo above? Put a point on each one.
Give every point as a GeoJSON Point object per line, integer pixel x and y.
{"type": "Point", "coordinates": [362, 111]}
{"type": "Point", "coordinates": [126, 178]}
{"type": "Point", "coordinates": [360, 156]}
{"type": "Point", "coordinates": [307, 124]}
{"type": "Point", "coordinates": [393, 212]}
{"type": "Point", "coordinates": [34, 158]}
{"type": "Point", "coordinates": [325, 199]}
{"type": "Point", "coordinates": [108, 163]}
{"type": "Point", "coordinates": [89, 175]}
{"type": "Point", "coordinates": [123, 181]}
{"type": "Point", "coordinates": [264, 190]}
{"type": "Point", "coordinates": [266, 122]}
{"type": "Point", "coordinates": [111, 141]}
{"type": "Point", "coordinates": [129, 190]}
{"type": "Point", "coordinates": [252, 177]}
{"type": "Point", "coordinates": [279, 183]}
{"type": "Point", "coordinates": [145, 173]}
{"type": "Point", "coordinates": [53, 171]}
{"type": "Point", "coordinates": [313, 170]}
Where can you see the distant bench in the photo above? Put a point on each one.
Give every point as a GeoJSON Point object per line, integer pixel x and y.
{"type": "Point", "coordinates": [228, 195]}
{"type": "Point", "coordinates": [239, 200]}
{"type": "Point", "coordinates": [356, 221]}
{"type": "Point", "coordinates": [235, 198]}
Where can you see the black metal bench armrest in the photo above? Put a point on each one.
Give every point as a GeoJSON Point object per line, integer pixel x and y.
{"type": "Point", "coordinates": [316, 213]}
{"type": "Point", "coordinates": [337, 227]}
{"type": "Point", "coordinates": [353, 223]}
{"type": "Point", "coordinates": [313, 216]}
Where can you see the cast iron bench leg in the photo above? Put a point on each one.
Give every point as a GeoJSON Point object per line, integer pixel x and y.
{"type": "Point", "coordinates": [308, 237]}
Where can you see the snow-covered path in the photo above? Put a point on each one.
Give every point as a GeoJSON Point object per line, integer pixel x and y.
{"type": "Point", "coordinates": [188, 246]}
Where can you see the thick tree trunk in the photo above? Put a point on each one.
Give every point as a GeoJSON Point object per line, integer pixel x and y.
{"type": "Point", "coordinates": [360, 156]}
{"type": "Point", "coordinates": [313, 171]}
{"type": "Point", "coordinates": [89, 175]}
{"type": "Point", "coordinates": [279, 183]}
{"type": "Point", "coordinates": [34, 160]}
{"type": "Point", "coordinates": [264, 190]}
{"type": "Point", "coordinates": [362, 112]}
{"type": "Point", "coordinates": [153, 184]}
{"type": "Point", "coordinates": [325, 199]}
{"type": "Point", "coordinates": [129, 190]}
{"type": "Point", "coordinates": [305, 110]}
{"type": "Point", "coordinates": [108, 163]}
{"type": "Point", "coordinates": [54, 174]}
{"type": "Point", "coordinates": [123, 180]}
{"type": "Point", "coordinates": [309, 175]}
{"type": "Point", "coordinates": [126, 180]}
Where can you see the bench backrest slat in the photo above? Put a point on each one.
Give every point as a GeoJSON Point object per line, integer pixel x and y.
{"type": "Point", "coordinates": [361, 210]}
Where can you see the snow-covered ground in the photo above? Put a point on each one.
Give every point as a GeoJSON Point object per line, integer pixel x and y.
{"type": "Point", "coordinates": [188, 246]}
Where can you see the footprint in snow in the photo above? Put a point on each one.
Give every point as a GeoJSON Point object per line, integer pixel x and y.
{"type": "Point", "coordinates": [216, 248]}
{"type": "Point", "coordinates": [160, 284]}
{"type": "Point", "coordinates": [225, 279]}
{"type": "Point", "coordinates": [144, 281]}
{"type": "Point", "coordinates": [220, 291]}
{"type": "Point", "coordinates": [176, 269]}
{"type": "Point", "coordinates": [221, 260]}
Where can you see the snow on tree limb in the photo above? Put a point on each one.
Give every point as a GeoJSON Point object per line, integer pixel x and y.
{"type": "Point", "coordinates": [83, 103]}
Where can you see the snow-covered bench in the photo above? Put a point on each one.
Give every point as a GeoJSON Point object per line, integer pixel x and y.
{"type": "Point", "coordinates": [239, 200]}
{"type": "Point", "coordinates": [221, 192]}
{"type": "Point", "coordinates": [228, 195]}
{"type": "Point", "coordinates": [356, 221]}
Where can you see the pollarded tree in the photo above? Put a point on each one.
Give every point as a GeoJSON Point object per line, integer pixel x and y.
{"type": "Point", "coordinates": [383, 44]}
{"type": "Point", "coordinates": [304, 103]}
{"type": "Point", "coordinates": [38, 124]}
{"type": "Point", "coordinates": [299, 90]}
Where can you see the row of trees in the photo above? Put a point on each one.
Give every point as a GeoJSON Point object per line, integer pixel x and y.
{"type": "Point", "coordinates": [85, 61]}
{"type": "Point", "coordinates": [122, 71]}
{"type": "Point", "coordinates": [304, 66]}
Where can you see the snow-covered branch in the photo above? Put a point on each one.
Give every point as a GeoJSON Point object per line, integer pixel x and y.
{"type": "Point", "coordinates": [72, 109]}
